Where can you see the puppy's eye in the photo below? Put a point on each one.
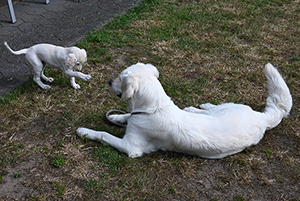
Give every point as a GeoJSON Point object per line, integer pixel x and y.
{"type": "Point", "coordinates": [77, 63]}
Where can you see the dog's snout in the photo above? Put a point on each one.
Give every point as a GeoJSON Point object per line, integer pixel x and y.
{"type": "Point", "coordinates": [110, 82]}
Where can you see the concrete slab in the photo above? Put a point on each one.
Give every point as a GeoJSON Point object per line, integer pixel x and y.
{"type": "Point", "coordinates": [62, 22]}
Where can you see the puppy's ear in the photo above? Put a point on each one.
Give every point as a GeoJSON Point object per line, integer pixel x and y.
{"type": "Point", "coordinates": [129, 86]}
{"type": "Point", "coordinates": [83, 52]}
{"type": "Point", "coordinates": [71, 61]}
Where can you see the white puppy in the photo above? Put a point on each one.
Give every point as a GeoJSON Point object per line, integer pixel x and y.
{"type": "Point", "coordinates": [214, 131]}
{"type": "Point", "coordinates": [67, 59]}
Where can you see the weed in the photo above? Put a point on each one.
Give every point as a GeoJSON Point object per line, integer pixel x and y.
{"type": "Point", "coordinates": [239, 198]}
{"type": "Point", "coordinates": [111, 158]}
{"type": "Point", "coordinates": [59, 144]}
{"type": "Point", "coordinates": [60, 189]}
{"type": "Point", "coordinates": [96, 185]}
{"type": "Point", "coordinates": [269, 153]}
{"type": "Point", "coordinates": [16, 175]}
{"type": "Point", "coordinates": [58, 161]}
{"type": "Point", "coordinates": [84, 138]}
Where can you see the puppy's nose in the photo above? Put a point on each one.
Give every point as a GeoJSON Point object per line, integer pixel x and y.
{"type": "Point", "coordinates": [110, 82]}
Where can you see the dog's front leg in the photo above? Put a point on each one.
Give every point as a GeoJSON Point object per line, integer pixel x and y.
{"type": "Point", "coordinates": [73, 74]}
{"type": "Point", "coordinates": [74, 84]}
{"type": "Point", "coordinates": [106, 138]}
{"type": "Point", "coordinates": [80, 75]}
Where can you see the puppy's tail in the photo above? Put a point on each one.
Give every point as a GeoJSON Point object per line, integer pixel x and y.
{"type": "Point", "coordinates": [279, 101]}
{"type": "Point", "coordinates": [23, 51]}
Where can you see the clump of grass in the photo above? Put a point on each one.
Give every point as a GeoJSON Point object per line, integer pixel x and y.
{"type": "Point", "coordinates": [16, 175]}
{"type": "Point", "coordinates": [58, 161]}
{"type": "Point", "coordinates": [111, 158]}
{"type": "Point", "coordinates": [60, 189]}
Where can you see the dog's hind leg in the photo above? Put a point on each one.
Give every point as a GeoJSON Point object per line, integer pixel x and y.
{"type": "Point", "coordinates": [194, 110]}
{"type": "Point", "coordinates": [37, 66]}
{"type": "Point", "coordinates": [47, 79]}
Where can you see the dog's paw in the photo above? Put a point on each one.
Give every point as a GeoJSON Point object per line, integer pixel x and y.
{"type": "Point", "coordinates": [135, 155]}
{"type": "Point", "coordinates": [46, 87]}
{"type": "Point", "coordinates": [76, 86]}
{"type": "Point", "coordinates": [50, 79]}
{"type": "Point", "coordinates": [81, 132]}
{"type": "Point", "coordinates": [87, 77]}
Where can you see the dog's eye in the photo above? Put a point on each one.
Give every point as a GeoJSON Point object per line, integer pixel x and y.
{"type": "Point", "coordinates": [77, 63]}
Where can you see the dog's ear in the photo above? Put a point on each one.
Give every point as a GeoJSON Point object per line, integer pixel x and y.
{"type": "Point", "coordinates": [129, 85]}
{"type": "Point", "coordinates": [83, 52]}
{"type": "Point", "coordinates": [71, 61]}
{"type": "Point", "coordinates": [156, 73]}
{"type": "Point", "coordinates": [153, 70]}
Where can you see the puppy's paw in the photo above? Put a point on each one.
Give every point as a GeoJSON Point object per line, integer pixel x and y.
{"type": "Point", "coordinates": [45, 87]}
{"type": "Point", "coordinates": [50, 79]}
{"type": "Point", "coordinates": [76, 86]}
{"type": "Point", "coordinates": [87, 77]}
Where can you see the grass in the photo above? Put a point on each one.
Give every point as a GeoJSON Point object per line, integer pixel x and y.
{"type": "Point", "coordinates": [205, 51]}
{"type": "Point", "coordinates": [58, 161]}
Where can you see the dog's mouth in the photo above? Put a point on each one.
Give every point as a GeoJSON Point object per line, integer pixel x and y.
{"type": "Point", "coordinates": [78, 68]}
{"type": "Point", "coordinates": [114, 90]}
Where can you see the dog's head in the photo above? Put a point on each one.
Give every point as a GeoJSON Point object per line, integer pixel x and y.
{"type": "Point", "coordinates": [138, 84]}
{"type": "Point", "coordinates": [76, 59]}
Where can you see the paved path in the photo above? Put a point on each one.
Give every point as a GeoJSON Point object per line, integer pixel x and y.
{"type": "Point", "coordinates": [62, 22]}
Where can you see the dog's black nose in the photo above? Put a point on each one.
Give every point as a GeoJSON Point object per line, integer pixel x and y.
{"type": "Point", "coordinates": [110, 82]}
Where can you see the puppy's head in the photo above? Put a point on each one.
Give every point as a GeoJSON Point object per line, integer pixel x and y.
{"type": "Point", "coordinates": [131, 80]}
{"type": "Point", "coordinates": [76, 60]}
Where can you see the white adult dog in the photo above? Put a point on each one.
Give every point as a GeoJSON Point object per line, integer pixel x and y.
{"type": "Point", "coordinates": [154, 122]}
{"type": "Point", "coordinates": [66, 59]}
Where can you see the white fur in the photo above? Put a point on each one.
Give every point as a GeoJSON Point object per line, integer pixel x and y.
{"type": "Point", "coordinates": [214, 131]}
{"type": "Point", "coordinates": [66, 59]}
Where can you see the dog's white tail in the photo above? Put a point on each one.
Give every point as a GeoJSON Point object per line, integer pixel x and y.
{"type": "Point", "coordinates": [279, 101]}
{"type": "Point", "coordinates": [23, 51]}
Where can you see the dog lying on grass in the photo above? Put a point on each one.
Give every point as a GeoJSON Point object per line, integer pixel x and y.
{"type": "Point", "coordinates": [154, 122]}
{"type": "Point", "coordinates": [69, 60]}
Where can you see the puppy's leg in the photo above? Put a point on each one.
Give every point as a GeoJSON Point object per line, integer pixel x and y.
{"type": "Point", "coordinates": [37, 67]}
{"type": "Point", "coordinates": [74, 84]}
{"type": "Point", "coordinates": [80, 75]}
{"type": "Point", "coordinates": [73, 74]}
{"type": "Point", "coordinates": [119, 118]}
{"type": "Point", "coordinates": [47, 79]}
{"type": "Point", "coordinates": [106, 138]}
